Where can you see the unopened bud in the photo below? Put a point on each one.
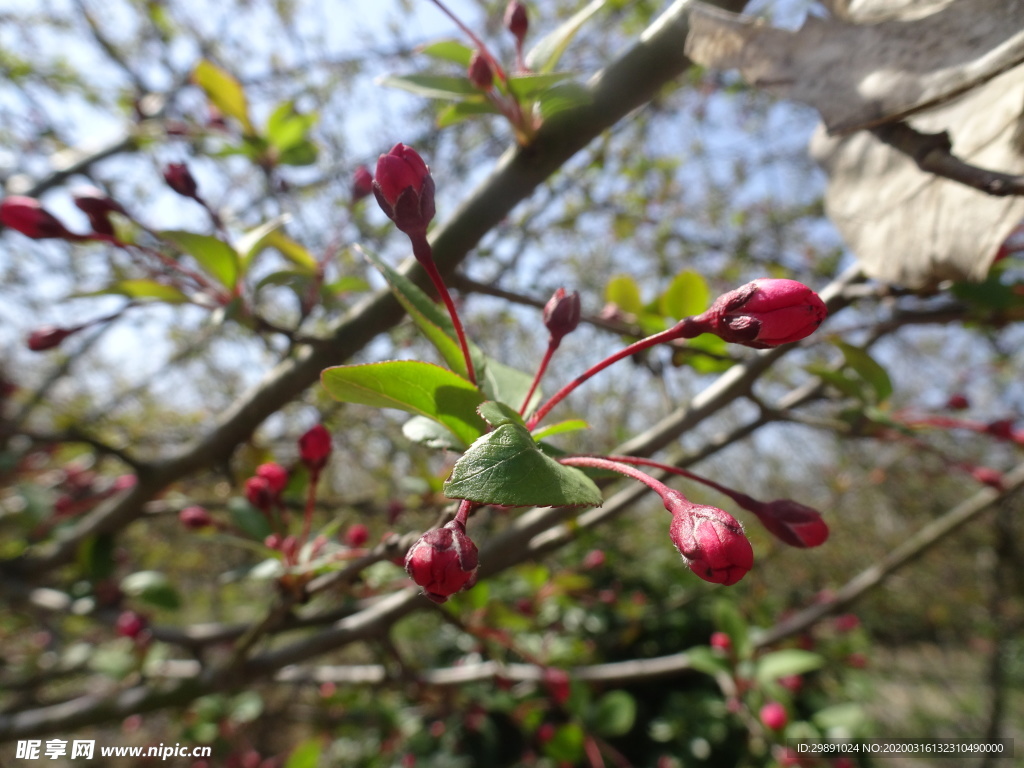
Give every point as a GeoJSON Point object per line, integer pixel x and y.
{"type": "Point", "coordinates": [315, 447]}
{"type": "Point", "coordinates": [195, 518]}
{"type": "Point", "coordinates": [362, 183]}
{"type": "Point", "coordinates": [404, 189]}
{"type": "Point", "coordinates": [562, 314]}
{"type": "Point", "coordinates": [720, 641]}
{"type": "Point", "coordinates": [710, 540]}
{"type": "Point", "coordinates": [557, 682]}
{"type": "Point", "coordinates": [357, 535]}
{"type": "Point", "coordinates": [516, 20]}
{"type": "Point", "coordinates": [275, 475]}
{"type": "Point", "coordinates": [130, 624]}
{"type": "Point", "coordinates": [27, 215]}
{"type": "Point", "coordinates": [773, 715]}
{"type": "Point", "coordinates": [98, 207]}
{"type": "Point", "coordinates": [1000, 428]}
{"type": "Point", "coordinates": [257, 491]}
{"type": "Point", "coordinates": [764, 313]}
{"type": "Point", "coordinates": [443, 561]}
{"type": "Point", "coordinates": [958, 402]}
{"type": "Point", "coordinates": [180, 179]}
{"type": "Point", "coordinates": [792, 522]}
{"type": "Point", "coordinates": [48, 337]}
{"type": "Point", "coordinates": [480, 73]}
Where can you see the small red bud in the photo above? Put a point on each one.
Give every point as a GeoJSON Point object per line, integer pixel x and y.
{"type": "Point", "coordinates": [275, 475]}
{"type": "Point", "coordinates": [595, 558]}
{"type": "Point", "coordinates": [357, 535]}
{"type": "Point", "coordinates": [404, 189]}
{"type": "Point", "coordinates": [562, 314]}
{"type": "Point", "coordinates": [792, 683]}
{"type": "Point", "coordinates": [516, 20]}
{"type": "Point", "coordinates": [773, 715]}
{"type": "Point", "coordinates": [557, 682]}
{"type": "Point", "coordinates": [180, 179]}
{"type": "Point", "coordinates": [48, 337]}
{"type": "Point", "coordinates": [988, 476]}
{"type": "Point", "coordinates": [721, 641]}
{"type": "Point", "coordinates": [480, 73]}
{"type": "Point", "coordinates": [846, 622]}
{"type": "Point", "coordinates": [257, 491]}
{"type": "Point", "coordinates": [443, 561]}
{"type": "Point", "coordinates": [98, 207]}
{"type": "Point", "coordinates": [195, 518]}
{"type": "Point", "coordinates": [130, 624]}
{"type": "Point", "coordinates": [27, 215]}
{"type": "Point", "coordinates": [958, 402]}
{"type": "Point", "coordinates": [273, 541]}
{"type": "Point", "coordinates": [315, 447]}
{"type": "Point", "coordinates": [792, 522]}
{"type": "Point", "coordinates": [765, 313]}
{"type": "Point", "coordinates": [1000, 428]}
{"type": "Point", "coordinates": [362, 183]}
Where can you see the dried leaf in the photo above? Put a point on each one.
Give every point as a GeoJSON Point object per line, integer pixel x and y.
{"type": "Point", "coordinates": [862, 75]}
{"type": "Point", "coordinates": [915, 229]}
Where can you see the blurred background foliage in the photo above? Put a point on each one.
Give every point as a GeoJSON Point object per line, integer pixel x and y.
{"type": "Point", "coordinates": [709, 177]}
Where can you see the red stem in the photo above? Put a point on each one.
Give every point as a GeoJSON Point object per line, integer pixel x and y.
{"type": "Point", "coordinates": [307, 517]}
{"type": "Point", "coordinates": [425, 256]}
{"type": "Point", "coordinates": [742, 499]}
{"type": "Point", "coordinates": [552, 346]}
{"type": "Point", "coordinates": [476, 41]}
{"type": "Point", "coordinates": [685, 329]}
{"type": "Point", "coordinates": [624, 469]}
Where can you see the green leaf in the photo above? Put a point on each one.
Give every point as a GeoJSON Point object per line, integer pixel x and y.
{"type": "Point", "coordinates": [433, 322]}
{"type": "Point", "coordinates": [303, 153]}
{"type": "Point", "coordinates": [686, 295]}
{"type": "Point", "coordinates": [143, 289]}
{"type": "Point", "coordinates": [728, 619]}
{"type": "Point", "coordinates": [216, 257]}
{"type": "Point", "coordinates": [791, 661]}
{"type": "Point", "coordinates": [614, 714]}
{"type": "Point", "coordinates": [151, 587]}
{"type": "Point", "coordinates": [840, 720]}
{"type": "Point", "coordinates": [703, 659]}
{"type": "Point", "coordinates": [544, 56]}
{"type": "Point", "coordinates": [412, 386]}
{"type": "Point", "coordinates": [348, 284]}
{"type": "Point", "coordinates": [868, 369]}
{"type": "Point", "coordinates": [503, 382]}
{"type": "Point", "coordinates": [533, 85]}
{"type": "Point", "coordinates": [562, 427]}
{"type": "Point", "coordinates": [287, 128]}
{"type": "Point", "coordinates": [306, 755]}
{"type": "Point", "coordinates": [430, 433]}
{"type": "Point", "coordinates": [269, 235]}
{"type": "Point", "coordinates": [562, 98]}
{"type": "Point", "coordinates": [623, 292]}
{"type": "Point", "coordinates": [449, 50]}
{"type": "Point", "coordinates": [566, 746]}
{"type": "Point", "coordinates": [224, 91]}
{"type": "Point", "coordinates": [506, 467]}
{"type": "Point", "coordinates": [460, 110]}
{"type": "Point", "coordinates": [248, 519]}
{"type": "Point", "coordinates": [839, 379]}
{"type": "Point", "coordinates": [497, 414]}
{"type": "Point", "coordinates": [96, 556]}
{"type": "Point", "coordinates": [436, 87]}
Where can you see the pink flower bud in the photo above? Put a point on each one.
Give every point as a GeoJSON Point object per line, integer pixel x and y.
{"type": "Point", "coordinates": [988, 476]}
{"type": "Point", "coordinates": [180, 179]}
{"type": "Point", "coordinates": [98, 207]}
{"type": "Point", "coordinates": [557, 682]}
{"type": "Point", "coordinates": [516, 20]}
{"type": "Point", "coordinates": [480, 73]}
{"type": "Point", "coordinates": [958, 402]}
{"type": "Point", "coordinates": [195, 518]}
{"type": "Point", "coordinates": [846, 622]}
{"type": "Point", "coordinates": [257, 491]}
{"type": "Point", "coordinates": [443, 561]}
{"type": "Point", "coordinates": [357, 535]}
{"type": "Point", "coordinates": [562, 314]}
{"type": "Point", "coordinates": [48, 337]}
{"type": "Point", "coordinates": [792, 522]}
{"type": "Point", "coordinates": [404, 189]}
{"type": "Point", "coordinates": [773, 715]}
{"type": "Point", "coordinates": [27, 215]}
{"type": "Point", "coordinates": [275, 475]}
{"type": "Point", "coordinates": [362, 183]}
{"type": "Point", "coordinates": [130, 624]}
{"type": "Point", "coordinates": [710, 540]}
{"type": "Point", "coordinates": [765, 313]}
{"type": "Point", "coordinates": [315, 447]}
{"type": "Point", "coordinates": [721, 641]}
{"type": "Point", "coordinates": [595, 558]}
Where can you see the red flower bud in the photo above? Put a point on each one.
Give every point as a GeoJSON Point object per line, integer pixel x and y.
{"type": "Point", "coordinates": [315, 447]}
{"type": "Point", "coordinates": [27, 215]}
{"type": "Point", "coordinates": [765, 313]}
{"type": "Point", "coordinates": [988, 476]}
{"type": "Point", "coordinates": [443, 561]}
{"type": "Point", "coordinates": [710, 540]}
{"type": "Point", "coordinates": [773, 715]}
{"type": "Point", "coordinates": [792, 522]}
{"type": "Point", "coordinates": [257, 491]}
{"type": "Point", "coordinates": [958, 402]}
{"type": "Point", "coordinates": [48, 337]}
{"type": "Point", "coordinates": [595, 558]}
{"type": "Point", "coordinates": [480, 73]}
{"type": "Point", "coordinates": [557, 682]}
{"type": "Point", "coordinates": [195, 518]}
{"type": "Point", "coordinates": [562, 314]}
{"type": "Point", "coordinates": [98, 208]}
{"type": "Point", "coordinates": [846, 622]}
{"type": "Point", "coordinates": [404, 189]}
{"type": "Point", "coordinates": [180, 179]}
{"type": "Point", "coordinates": [1000, 428]}
{"type": "Point", "coordinates": [721, 641]}
{"type": "Point", "coordinates": [275, 475]}
{"type": "Point", "coordinates": [516, 20]}
{"type": "Point", "coordinates": [130, 624]}
{"type": "Point", "coordinates": [362, 183]}
{"type": "Point", "coordinates": [357, 535]}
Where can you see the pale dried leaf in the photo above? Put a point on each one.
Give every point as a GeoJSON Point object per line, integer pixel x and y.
{"type": "Point", "coordinates": [912, 228]}
{"type": "Point", "coordinates": [862, 75]}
